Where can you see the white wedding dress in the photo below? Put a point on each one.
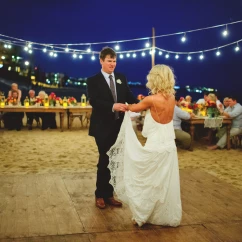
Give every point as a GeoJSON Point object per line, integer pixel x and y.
{"type": "Point", "coordinates": [147, 177]}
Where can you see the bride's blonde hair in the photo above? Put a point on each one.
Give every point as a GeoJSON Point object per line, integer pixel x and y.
{"type": "Point", "coordinates": [161, 80]}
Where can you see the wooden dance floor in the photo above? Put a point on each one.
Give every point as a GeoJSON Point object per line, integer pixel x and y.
{"type": "Point", "coordinates": [60, 207]}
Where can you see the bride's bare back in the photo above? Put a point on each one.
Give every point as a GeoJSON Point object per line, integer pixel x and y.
{"type": "Point", "coordinates": [161, 107]}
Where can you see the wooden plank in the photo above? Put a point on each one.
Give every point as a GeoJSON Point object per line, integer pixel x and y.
{"type": "Point", "coordinates": [66, 216]}
{"type": "Point", "coordinates": [229, 232]}
{"type": "Point", "coordinates": [21, 217]}
{"type": "Point", "coordinates": [81, 190]}
{"type": "Point", "coordinates": [77, 238]}
{"type": "Point", "coordinates": [213, 196]}
{"type": "Point", "coordinates": [38, 221]}
{"type": "Point", "coordinates": [186, 234]}
{"type": "Point", "coordinates": [8, 212]}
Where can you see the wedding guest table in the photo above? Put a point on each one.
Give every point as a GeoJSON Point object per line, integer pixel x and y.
{"type": "Point", "coordinates": [210, 123]}
{"type": "Point", "coordinates": [37, 109]}
{"type": "Point", "coordinates": [77, 111]}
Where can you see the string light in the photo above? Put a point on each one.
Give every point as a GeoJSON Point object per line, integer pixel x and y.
{"type": "Point", "coordinates": [89, 49]}
{"type": "Point", "coordinates": [93, 57]}
{"type": "Point", "coordinates": [29, 46]}
{"type": "Point", "coordinates": [225, 32]}
{"type": "Point", "coordinates": [74, 55]}
{"type": "Point", "coordinates": [121, 56]}
{"type": "Point", "coordinates": [237, 47]}
{"type": "Point", "coordinates": [167, 56]}
{"type": "Point", "coordinates": [117, 47]}
{"type": "Point", "coordinates": [80, 56]}
{"type": "Point", "coordinates": [201, 57]}
{"type": "Point", "coordinates": [67, 49]}
{"type": "Point", "coordinates": [26, 63]}
{"type": "Point", "coordinates": [147, 45]}
{"type": "Point", "coordinates": [183, 39]}
{"type": "Point", "coordinates": [189, 57]}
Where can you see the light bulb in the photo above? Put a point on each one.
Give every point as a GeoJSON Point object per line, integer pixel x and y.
{"type": "Point", "coordinates": [167, 56]}
{"type": "Point", "coordinates": [74, 55]}
{"type": "Point", "coordinates": [218, 53]}
{"type": "Point", "coordinates": [117, 47]}
{"type": "Point", "coordinates": [237, 48]}
{"type": "Point", "coordinates": [93, 57]}
{"type": "Point", "coordinates": [183, 39]}
{"type": "Point", "coordinates": [177, 56]}
{"type": "Point", "coordinates": [44, 50]}
{"type": "Point", "coordinates": [121, 56]}
{"type": "Point", "coordinates": [201, 57]}
{"type": "Point", "coordinates": [143, 53]}
{"type": "Point", "coordinates": [80, 56]}
{"type": "Point", "coordinates": [128, 55]}
{"type": "Point", "coordinates": [160, 52]}
{"type": "Point", "coordinates": [147, 44]}
{"type": "Point", "coordinates": [189, 57]}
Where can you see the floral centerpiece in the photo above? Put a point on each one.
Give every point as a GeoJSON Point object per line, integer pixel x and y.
{"type": "Point", "coordinates": [52, 99]}
{"type": "Point", "coordinates": [12, 101]}
{"type": "Point", "coordinates": [212, 110]}
{"type": "Point", "coordinates": [72, 101]}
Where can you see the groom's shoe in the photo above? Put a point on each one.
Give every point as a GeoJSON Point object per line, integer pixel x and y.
{"type": "Point", "coordinates": [100, 203]}
{"type": "Point", "coordinates": [113, 202]}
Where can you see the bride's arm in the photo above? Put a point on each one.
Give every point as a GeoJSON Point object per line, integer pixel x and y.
{"type": "Point", "coordinates": [143, 105]}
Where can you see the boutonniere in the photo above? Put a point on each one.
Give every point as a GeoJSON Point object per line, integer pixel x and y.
{"type": "Point", "coordinates": [119, 81]}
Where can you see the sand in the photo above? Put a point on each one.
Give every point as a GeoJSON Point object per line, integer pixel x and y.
{"type": "Point", "coordinates": [52, 151]}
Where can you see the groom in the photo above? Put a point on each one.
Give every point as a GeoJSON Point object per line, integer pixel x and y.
{"type": "Point", "coordinates": [107, 92]}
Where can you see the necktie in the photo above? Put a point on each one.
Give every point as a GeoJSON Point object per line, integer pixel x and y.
{"type": "Point", "coordinates": [112, 88]}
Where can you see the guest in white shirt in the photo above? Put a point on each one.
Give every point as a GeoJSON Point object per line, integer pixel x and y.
{"type": "Point", "coordinates": [182, 137]}
{"type": "Point", "coordinates": [204, 99]}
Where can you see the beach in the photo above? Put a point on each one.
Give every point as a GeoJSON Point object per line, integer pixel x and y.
{"type": "Point", "coordinates": [51, 151]}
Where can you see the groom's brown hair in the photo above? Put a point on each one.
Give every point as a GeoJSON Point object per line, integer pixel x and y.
{"type": "Point", "coordinates": [107, 51]}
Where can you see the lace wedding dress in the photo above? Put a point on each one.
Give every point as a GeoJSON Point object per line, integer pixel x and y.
{"type": "Point", "coordinates": [147, 178]}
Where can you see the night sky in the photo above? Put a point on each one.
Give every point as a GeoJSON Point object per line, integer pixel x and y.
{"type": "Point", "coordinates": [95, 21]}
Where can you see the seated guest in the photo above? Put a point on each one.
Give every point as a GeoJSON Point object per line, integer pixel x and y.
{"type": "Point", "coordinates": [226, 102]}
{"type": "Point", "coordinates": [204, 99]}
{"type": "Point", "coordinates": [32, 116]}
{"type": "Point", "coordinates": [14, 87]}
{"type": "Point", "coordinates": [182, 137]}
{"type": "Point", "coordinates": [13, 120]}
{"type": "Point", "coordinates": [185, 102]}
{"type": "Point", "coordinates": [48, 119]}
{"type": "Point", "coordinates": [234, 111]}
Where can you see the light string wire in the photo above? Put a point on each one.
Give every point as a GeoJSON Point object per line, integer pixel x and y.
{"type": "Point", "coordinates": [120, 41]}
{"type": "Point", "coordinates": [80, 51]}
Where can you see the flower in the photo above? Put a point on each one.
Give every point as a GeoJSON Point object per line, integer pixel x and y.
{"type": "Point", "coordinates": [119, 81]}
{"type": "Point", "coordinates": [211, 104]}
{"type": "Point", "coordinates": [72, 101]}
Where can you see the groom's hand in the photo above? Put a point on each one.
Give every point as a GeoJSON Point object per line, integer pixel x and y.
{"type": "Point", "coordinates": [120, 107]}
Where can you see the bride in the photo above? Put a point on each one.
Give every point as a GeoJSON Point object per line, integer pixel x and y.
{"type": "Point", "coordinates": [147, 177]}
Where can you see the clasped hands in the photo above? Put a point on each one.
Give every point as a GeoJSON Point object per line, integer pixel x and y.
{"type": "Point", "coordinates": [120, 107]}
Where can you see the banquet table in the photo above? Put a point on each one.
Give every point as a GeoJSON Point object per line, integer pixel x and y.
{"type": "Point", "coordinates": [77, 111]}
{"type": "Point", "coordinates": [34, 109]}
{"type": "Point", "coordinates": [200, 120]}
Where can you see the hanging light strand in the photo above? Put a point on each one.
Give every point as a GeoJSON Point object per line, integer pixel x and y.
{"type": "Point", "coordinates": [120, 41]}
